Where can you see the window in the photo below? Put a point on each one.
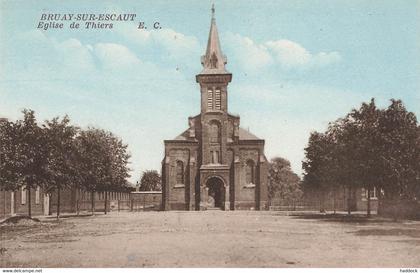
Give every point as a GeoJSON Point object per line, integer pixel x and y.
{"type": "Point", "coordinates": [210, 99]}
{"type": "Point", "coordinates": [214, 99]}
{"type": "Point", "coordinates": [179, 172]}
{"type": "Point", "coordinates": [37, 195]}
{"type": "Point", "coordinates": [215, 157]}
{"type": "Point", "coordinates": [214, 132]}
{"type": "Point", "coordinates": [217, 99]}
{"type": "Point", "coordinates": [250, 172]}
{"type": "Point", "coordinates": [23, 195]}
{"type": "Point", "coordinates": [372, 193]}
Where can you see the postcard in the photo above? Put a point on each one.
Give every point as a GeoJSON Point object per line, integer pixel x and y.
{"type": "Point", "coordinates": [209, 134]}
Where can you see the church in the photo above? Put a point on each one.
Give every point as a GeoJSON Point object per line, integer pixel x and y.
{"type": "Point", "coordinates": [214, 164]}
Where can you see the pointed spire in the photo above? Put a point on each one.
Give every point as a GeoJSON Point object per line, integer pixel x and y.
{"type": "Point", "coordinates": [213, 61]}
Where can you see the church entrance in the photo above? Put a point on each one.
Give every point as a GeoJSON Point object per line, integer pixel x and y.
{"type": "Point", "coordinates": [216, 193]}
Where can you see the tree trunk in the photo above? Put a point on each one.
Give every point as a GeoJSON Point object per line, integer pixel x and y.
{"type": "Point", "coordinates": [106, 199]}
{"type": "Point", "coordinates": [322, 202]}
{"type": "Point", "coordinates": [92, 199]}
{"type": "Point", "coordinates": [368, 203]}
{"type": "Point", "coordinates": [49, 204]}
{"type": "Point", "coordinates": [29, 200]}
{"type": "Point", "coordinates": [349, 201]}
{"type": "Point", "coordinates": [334, 202]}
{"type": "Point", "coordinates": [5, 203]}
{"type": "Point", "coordinates": [77, 201]}
{"type": "Point", "coordinates": [58, 202]}
{"type": "Point", "coordinates": [379, 195]}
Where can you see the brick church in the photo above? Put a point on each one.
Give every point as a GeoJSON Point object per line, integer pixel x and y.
{"type": "Point", "coordinates": [214, 164]}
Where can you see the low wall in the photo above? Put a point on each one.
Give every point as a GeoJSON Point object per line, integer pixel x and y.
{"type": "Point", "coordinates": [146, 200]}
{"type": "Point", "coordinates": [403, 209]}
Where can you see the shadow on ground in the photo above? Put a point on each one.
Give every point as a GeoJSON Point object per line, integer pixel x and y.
{"type": "Point", "coordinates": [359, 219]}
{"type": "Point", "coordinates": [413, 233]}
{"type": "Point", "coordinates": [69, 216]}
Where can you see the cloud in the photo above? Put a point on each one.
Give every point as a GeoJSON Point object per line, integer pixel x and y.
{"type": "Point", "coordinates": [101, 84]}
{"type": "Point", "coordinates": [284, 53]}
{"type": "Point", "coordinates": [115, 56]}
{"type": "Point", "coordinates": [175, 45]}
{"type": "Point", "coordinates": [294, 110]}
{"type": "Point", "coordinates": [251, 55]}
{"type": "Point", "coordinates": [292, 55]}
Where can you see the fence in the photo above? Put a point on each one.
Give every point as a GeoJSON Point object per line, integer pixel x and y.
{"type": "Point", "coordinates": [308, 205]}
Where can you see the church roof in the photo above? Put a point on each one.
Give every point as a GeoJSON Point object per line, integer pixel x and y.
{"type": "Point", "coordinates": [213, 61]}
{"type": "Point", "coordinates": [243, 135]}
{"type": "Point", "coordinates": [247, 135]}
{"type": "Point", "coordinates": [183, 136]}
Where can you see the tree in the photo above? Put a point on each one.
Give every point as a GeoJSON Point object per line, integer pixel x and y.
{"type": "Point", "coordinates": [366, 168]}
{"type": "Point", "coordinates": [9, 178]}
{"type": "Point", "coordinates": [399, 152]}
{"type": "Point", "coordinates": [61, 156]}
{"type": "Point", "coordinates": [368, 148]}
{"type": "Point", "coordinates": [150, 181]}
{"type": "Point", "coordinates": [320, 166]}
{"type": "Point", "coordinates": [25, 155]}
{"type": "Point", "coordinates": [282, 181]}
{"type": "Point", "coordinates": [103, 160]}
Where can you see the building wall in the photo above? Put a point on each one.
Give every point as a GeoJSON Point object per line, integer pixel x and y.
{"type": "Point", "coordinates": [240, 195]}
{"type": "Point", "coordinates": [70, 199]}
{"type": "Point", "coordinates": [179, 196]}
{"type": "Point", "coordinates": [146, 200]}
{"type": "Point", "coordinates": [5, 204]}
{"type": "Point", "coordinates": [19, 201]}
{"type": "Point", "coordinates": [335, 200]}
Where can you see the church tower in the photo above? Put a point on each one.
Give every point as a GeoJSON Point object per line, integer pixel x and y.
{"type": "Point", "coordinates": [214, 164]}
{"type": "Point", "coordinates": [213, 80]}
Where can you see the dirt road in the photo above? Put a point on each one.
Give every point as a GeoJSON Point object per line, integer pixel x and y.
{"type": "Point", "coordinates": [210, 239]}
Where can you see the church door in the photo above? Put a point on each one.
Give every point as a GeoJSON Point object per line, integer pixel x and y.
{"type": "Point", "coordinates": [216, 193]}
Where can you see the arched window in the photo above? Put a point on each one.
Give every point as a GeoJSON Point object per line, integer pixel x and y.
{"type": "Point", "coordinates": [250, 172]}
{"type": "Point", "coordinates": [214, 132]}
{"type": "Point", "coordinates": [179, 172]}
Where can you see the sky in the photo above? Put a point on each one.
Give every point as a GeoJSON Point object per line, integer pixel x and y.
{"type": "Point", "coordinates": [296, 66]}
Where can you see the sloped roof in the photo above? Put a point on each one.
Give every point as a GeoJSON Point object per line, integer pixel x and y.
{"type": "Point", "coordinates": [183, 136]}
{"type": "Point", "coordinates": [247, 135]}
{"type": "Point", "coordinates": [243, 135]}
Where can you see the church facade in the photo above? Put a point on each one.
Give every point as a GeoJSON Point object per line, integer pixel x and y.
{"type": "Point", "coordinates": [214, 164]}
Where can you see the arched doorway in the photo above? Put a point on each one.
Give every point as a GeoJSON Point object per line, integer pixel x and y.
{"type": "Point", "coordinates": [216, 193]}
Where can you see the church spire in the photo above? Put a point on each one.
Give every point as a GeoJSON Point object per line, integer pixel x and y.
{"type": "Point", "coordinates": [213, 61]}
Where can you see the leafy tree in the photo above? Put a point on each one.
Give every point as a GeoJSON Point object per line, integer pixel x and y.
{"type": "Point", "coordinates": [103, 160]}
{"type": "Point", "coordinates": [26, 154]}
{"type": "Point", "coordinates": [367, 148]}
{"type": "Point", "coordinates": [320, 165]}
{"type": "Point", "coordinates": [399, 152]}
{"type": "Point", "coordinates": [9, 175]}
{"type": "Point", "coordinates": [282, 181]}
{"type": "Point", "coordinates": [150, 181]}
{"type": "Point", "coordinates": [62, 157]}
